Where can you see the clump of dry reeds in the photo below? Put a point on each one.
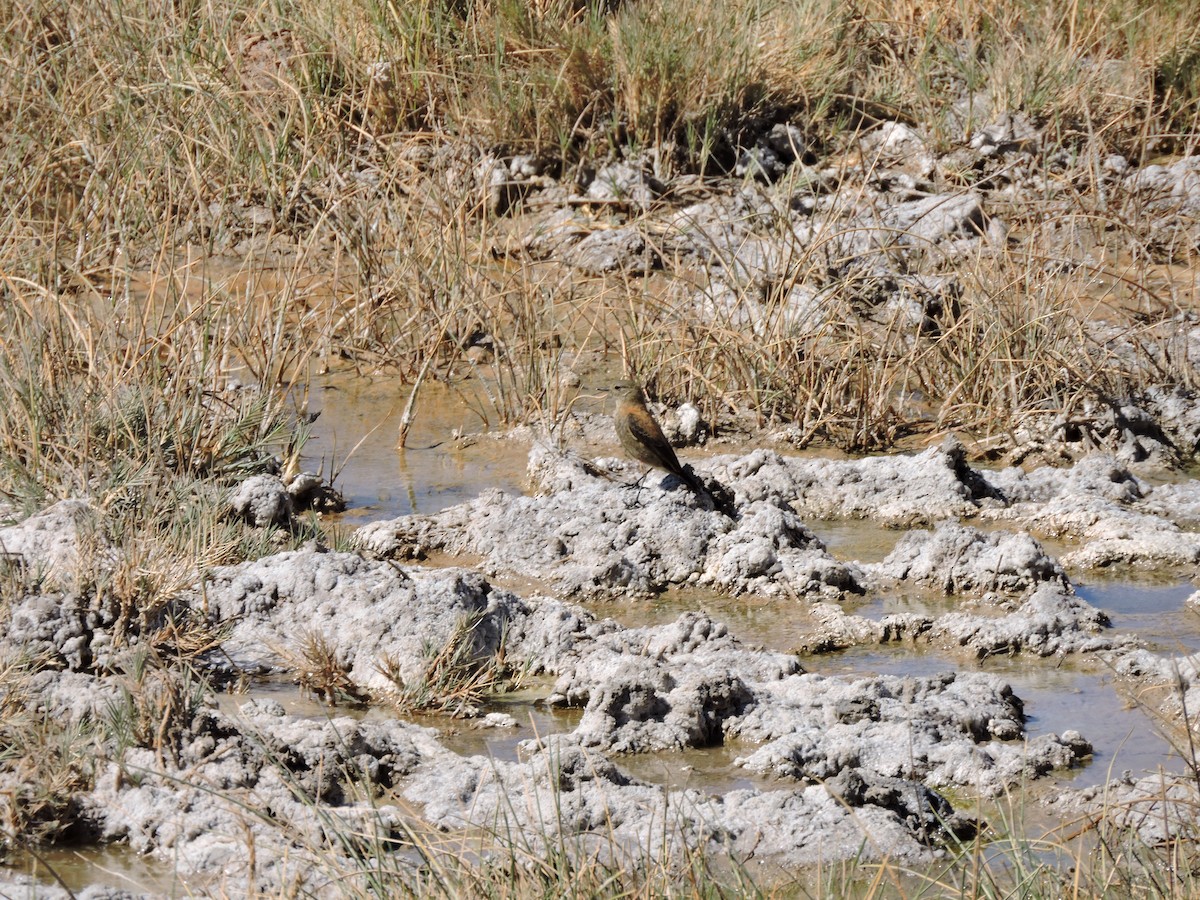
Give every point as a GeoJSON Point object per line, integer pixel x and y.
{"type": "Point", "coordinates": [312, 149]}
{"type": "Point", "coordinates": [457, 676]}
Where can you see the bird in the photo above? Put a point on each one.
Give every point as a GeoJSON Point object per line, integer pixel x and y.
{"type": "Point", "coordinates": [642, 438]}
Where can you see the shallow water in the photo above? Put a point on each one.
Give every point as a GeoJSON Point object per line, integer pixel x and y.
{"type": "Point", "coordinates": [1155, 611]}
{"type": "Point", "coordinates": [355, 439]}
{"type": "Point", "coordinates": [856, 540]}
{"type": "Point", "coordinates": [436, 471]}
{"type": "Point", "coordinates": [468, 737]}
{"type": "Point", "coordinates": [112, 864]}
{"type": "Point", "coordinates": [1057, 698]}
{"type": "Point", "coordinates": [1123, 735]}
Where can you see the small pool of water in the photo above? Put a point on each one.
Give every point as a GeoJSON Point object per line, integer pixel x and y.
{"type": "Point", "coordinates": [916, 602]}
{"type": "Point", "coordinates": [468, 737]}
{"type": "Point", "coordinates": [534, 720]}
{"type": "Point", "coordinates": [1154, 610]}
{"type": "Point", "coordinates": [355, 439]}
{"type": "Point", "coordinates": [774, 623]}
{"type": "Point", "coordinates": [855, 540]}
{"type": "Point", "coordinates": [115, 865]}
{"type": "Point", "coordinates": [710, 770]}
{"type": "Point", "coordinates": [1057, 699]}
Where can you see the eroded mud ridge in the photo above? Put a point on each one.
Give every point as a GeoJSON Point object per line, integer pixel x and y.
{"type": "Point", "coordinates": [848, 765]}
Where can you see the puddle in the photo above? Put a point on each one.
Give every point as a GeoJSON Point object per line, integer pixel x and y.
{"type": "Point", "coordinates": [776, 624]}
{"type": "Point", "coordinates": [464, 736]}
{"type": "Point", "coordinates": [1156, 612]}
{"type": "Point", "coordinates": [710, 770]}
{"type": "Point", "coordinates": [855, 540]}
{"type": "Point", "coordinates": [109, 864]}
{"type": "Point", "coordinates": [916, 602]}
{"type": "Point", "coordinates": [1057, 699]}
{"type": "Point", "coordinates": [771, 623]}
{"type": "Point", "coordinates": [355, 438]}
{"type": "Point", "coordinates": [1124, 735]}
{"type": "Point", "coordinates": [534, 720]}
{"type": "Point", "coordinates": [294, 701]}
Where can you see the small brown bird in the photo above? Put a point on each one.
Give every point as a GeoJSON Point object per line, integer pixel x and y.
{"type": "Point", "coordinates": [643, 440]}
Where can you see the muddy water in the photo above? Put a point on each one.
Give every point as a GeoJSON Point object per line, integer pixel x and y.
{"type": "Point", "coordinates": [1088, 699]}
{"type": "Point", "coordinates": [356, 435]}
{"type": "Point", "coordinates": [1123, 735]}
{"type": "Point", "coordinates": [355, 439]}
{"type": "Point", "coordinates": [110, 864]}
{"type": "Point", "coordinates": [469, 737]}
{"type": "Point", "coordinates": [357, 430]}
{"type": "Point", "coordinates": [1155, 611]}
{"type": "Point", "coordinates": [852, 540]}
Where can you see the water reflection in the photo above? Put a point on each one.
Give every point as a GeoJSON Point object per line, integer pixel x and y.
{"type": "Point", "coordinates": [1058, 697]}
{"type": "Point", "coordinates": [115, 865]}
{"type": "Point", "coordinates": [355, 438]}
{"type": "Point", "coordinates": [1155, 611]}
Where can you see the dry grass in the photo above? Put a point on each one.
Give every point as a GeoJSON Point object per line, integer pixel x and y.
{"type": "Point", "coordinates": [132, 408]}
{"type": "Point", "coordinates": [156, 708]}
{"type": "Point", "coordinates": [44, 762]}
{"type": "Point", "coordinates": [300, 141]}
{"type": "Point", "coordinates": [843, 353]}
{"type": "Point", "coordinates": [318, 670]}
{"type": "Point", "coordinates": [457, 675]}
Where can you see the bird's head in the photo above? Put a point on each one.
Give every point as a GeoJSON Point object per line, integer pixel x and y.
{"type": "Point", "coordinates": [628, 391]}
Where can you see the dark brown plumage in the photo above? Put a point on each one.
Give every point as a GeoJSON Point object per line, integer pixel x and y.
{"type": "Point", "coordinates": [642, 438]}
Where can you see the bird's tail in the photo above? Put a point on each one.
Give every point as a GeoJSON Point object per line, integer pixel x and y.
{"type": "Point", "coordinates": [692, 480]}
{"type": "Point", "coordinates": [721, 498]}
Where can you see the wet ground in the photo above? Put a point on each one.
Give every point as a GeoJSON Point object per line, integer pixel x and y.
{"type": "Point", "coordinates": [358, 428]}
{"type": "Point", "coordinates": [447, 457]}
{"type": "Point", "coordinates": [355, 438]}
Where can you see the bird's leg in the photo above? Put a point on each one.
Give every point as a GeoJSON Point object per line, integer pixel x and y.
{"type": "Point", "coordinates": [638, 485]}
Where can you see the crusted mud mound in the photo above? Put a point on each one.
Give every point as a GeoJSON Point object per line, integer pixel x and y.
{"type": "Point", "coordinates": [199, 784]}
{"type": "Point", "coordinates": [592, 531]}
{"type": "Point", "coordinates": [214, 781]}
{"type": "Point", "coordinates": [1160, 809]}
{"type": "Point", "coordinates": [827, 745]}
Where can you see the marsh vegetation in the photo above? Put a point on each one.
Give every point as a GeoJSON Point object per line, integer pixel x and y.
{"type": "Point", "coordinates": [858, 227]}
